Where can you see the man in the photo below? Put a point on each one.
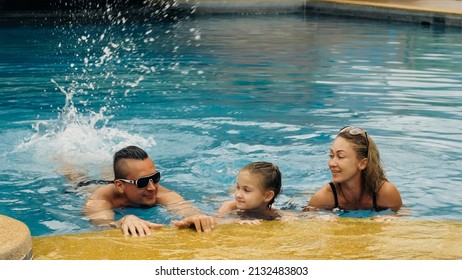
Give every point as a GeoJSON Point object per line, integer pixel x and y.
{"type": "Point", "coordinates": [136, 184]}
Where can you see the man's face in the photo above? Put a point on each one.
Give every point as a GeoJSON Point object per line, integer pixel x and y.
{"type": "Point", "coordinates": [136, 169]}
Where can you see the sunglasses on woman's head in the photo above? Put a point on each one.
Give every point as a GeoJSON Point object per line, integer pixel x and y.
{"type": "Point", "coordinates": [143, 182]}
{"type": "Point", "coordinates": [355, 131]}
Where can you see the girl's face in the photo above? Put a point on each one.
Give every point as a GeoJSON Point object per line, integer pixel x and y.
{"type": "Point", "coordinates": [344, 164]}
{"type": "Point", "coordinates": [249, 194]}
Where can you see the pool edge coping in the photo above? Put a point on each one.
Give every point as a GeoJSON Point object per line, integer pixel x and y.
{"type": "Point", "coordinates": [16, 240]}
{"type": "Point", "coordinates": [343, 8]}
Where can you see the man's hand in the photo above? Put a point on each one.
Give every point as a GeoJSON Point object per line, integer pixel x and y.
{"type": "Point", "coordinates": [132, 225]}
{"type": "Point", "coordinates": [200, 222]}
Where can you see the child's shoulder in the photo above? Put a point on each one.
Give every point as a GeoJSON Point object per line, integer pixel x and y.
{"type": "Point", "coordinates": [228, 207]}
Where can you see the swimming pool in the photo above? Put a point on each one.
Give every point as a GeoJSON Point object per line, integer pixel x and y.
{"type": "Point", "coordinates": [206, 95]}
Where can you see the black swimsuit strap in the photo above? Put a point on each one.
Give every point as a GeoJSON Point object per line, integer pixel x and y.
{"type": "Point", "coordinates": [374, 201]}
{"type": "Point", "coordinates": [334, 191]}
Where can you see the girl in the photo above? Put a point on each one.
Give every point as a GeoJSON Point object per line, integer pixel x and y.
{"type": "Point", "coordinates": [258, 185]}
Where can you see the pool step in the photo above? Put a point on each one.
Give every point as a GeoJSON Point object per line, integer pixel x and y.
{"type": "Point", "coordinates": [16, 240]}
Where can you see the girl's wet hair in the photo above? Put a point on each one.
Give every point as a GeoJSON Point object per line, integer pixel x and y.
{"type": "Point", "coordinates": [269, 174]}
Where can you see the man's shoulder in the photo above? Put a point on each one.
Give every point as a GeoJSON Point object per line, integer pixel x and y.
{"type": "Point", "coordinates": [166, 196]}
{"type": "Point", "coordinates": [162, 189]}
{"type": "Point", "coordinates": [102, 192]}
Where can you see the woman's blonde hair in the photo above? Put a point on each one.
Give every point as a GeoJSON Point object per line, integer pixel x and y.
{"type": "Point", "coordinates": [373, 176]}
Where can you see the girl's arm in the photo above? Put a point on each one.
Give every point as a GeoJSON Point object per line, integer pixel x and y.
{"type": "Point", "coordinates": [227, 207]}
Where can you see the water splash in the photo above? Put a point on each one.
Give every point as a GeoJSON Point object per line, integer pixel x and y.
{"type": "Point", "coordinates": [82, 133]}
{"type": "Point", "coordinates": [82, 138]}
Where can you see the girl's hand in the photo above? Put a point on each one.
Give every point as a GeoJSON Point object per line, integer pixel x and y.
{"type": "Point", "coordinates": [249, 222]}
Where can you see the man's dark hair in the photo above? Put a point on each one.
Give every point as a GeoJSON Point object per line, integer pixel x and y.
{"type": "Point", "coordinates": [130, 152]}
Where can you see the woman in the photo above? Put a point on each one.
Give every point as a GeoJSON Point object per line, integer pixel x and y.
{"type": "Point", "coordinates": [358, 178]}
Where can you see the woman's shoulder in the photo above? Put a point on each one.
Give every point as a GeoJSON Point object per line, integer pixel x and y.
{"type": "Point", "coordinates": [387, 188]}
{"type": "Point", "coordinates": [325, 190]}
{"type": "Point", "coordinates": [388, 196]}
{"type": "Point", "coordinates": [323, 198]}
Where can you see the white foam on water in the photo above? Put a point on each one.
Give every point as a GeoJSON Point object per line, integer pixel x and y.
{"type": "Point", "coordinates": [82, 138]}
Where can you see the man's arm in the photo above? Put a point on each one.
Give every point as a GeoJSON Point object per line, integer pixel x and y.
{"type": "Point", "coordinates": [100, 212]}
{"type": "Point", "coordinates": [190, 214]}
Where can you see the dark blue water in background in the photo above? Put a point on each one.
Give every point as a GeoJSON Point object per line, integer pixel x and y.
{"type": "Point", "coordinates": [206, 95]}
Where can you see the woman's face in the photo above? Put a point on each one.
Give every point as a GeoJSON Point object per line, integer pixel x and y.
{"type": "Point", "coordinates": [343, 162]}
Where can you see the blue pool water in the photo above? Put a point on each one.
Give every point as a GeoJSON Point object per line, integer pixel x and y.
{"type": "Point", "coordinates": [206, 95]}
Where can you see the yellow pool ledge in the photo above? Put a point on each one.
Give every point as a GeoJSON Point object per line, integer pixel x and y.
{"type": "Point", "coordinates": [313, 239]}
{"type": "Point", "coordinates": [306, 239]}
{"type": "Point", "coordinates": [16, 240]}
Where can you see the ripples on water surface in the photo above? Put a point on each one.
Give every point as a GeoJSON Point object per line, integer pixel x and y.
{"type": "Point", "coordinates": [204, 96]}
